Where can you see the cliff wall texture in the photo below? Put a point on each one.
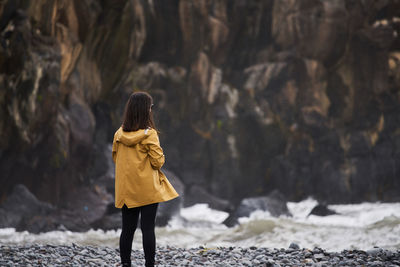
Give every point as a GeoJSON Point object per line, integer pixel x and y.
{"type": "Point", "coordinates": [250, 96]}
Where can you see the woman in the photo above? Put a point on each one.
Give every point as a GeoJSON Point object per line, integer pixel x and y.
{"type": "Point", "coordinates": [139, 183]}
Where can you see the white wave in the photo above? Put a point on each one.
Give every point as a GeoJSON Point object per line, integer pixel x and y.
{"type": "Point", "coordinates": [357, 215]}
{"type": "Point", "coordinates": [201, 211]}
{"type": "Point", "coordinates": [359, 226]}
{"type": "Point", "coordinates": [91, 237]}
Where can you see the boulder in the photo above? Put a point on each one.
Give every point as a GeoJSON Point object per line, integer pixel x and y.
{"type": "Point", "coordinates": [322, 210]}
{"type": "Point", "coordinates": [109, 221]}
{"type": "Point", "coordinates": [198, 194]}
{"type": "Point", "coordinates": [88, 204]}
{"type": "Point", "coordinates": [21, 206]}
{"type": "Point", "coordinates": [274, 203]}
{"type": "Point", "coordinates": [23, 211]}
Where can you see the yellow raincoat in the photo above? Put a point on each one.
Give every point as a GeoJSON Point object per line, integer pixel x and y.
{"type": "Point", "coordinates": [138, 159]}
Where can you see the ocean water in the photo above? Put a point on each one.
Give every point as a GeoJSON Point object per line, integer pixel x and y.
{"type": "Point", "coordinates": [359, 226]}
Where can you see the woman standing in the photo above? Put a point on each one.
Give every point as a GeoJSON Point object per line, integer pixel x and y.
{"type": "Point", "coordinates": [139, 182]}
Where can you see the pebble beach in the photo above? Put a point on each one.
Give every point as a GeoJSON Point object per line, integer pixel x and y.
{"type": "Point", "coordinates": [75, 255]}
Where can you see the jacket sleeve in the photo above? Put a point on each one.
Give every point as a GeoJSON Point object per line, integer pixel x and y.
{"type": "Point", "coordinates": [154, 150]}
{"type": "Point", "coordinates": [114, 149]}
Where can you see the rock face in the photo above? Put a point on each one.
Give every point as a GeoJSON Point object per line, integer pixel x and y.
{"type": "Point", "coordinates": [250, 96]}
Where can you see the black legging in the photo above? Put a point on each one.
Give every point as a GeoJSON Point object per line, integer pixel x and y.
{"type": "Point", "coordinates": [147, 224]}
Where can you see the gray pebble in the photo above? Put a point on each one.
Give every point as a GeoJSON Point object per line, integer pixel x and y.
{"type": "Point", "coordinates": [74, 255]}
{"type": "Point", "coordinates": [374, 251]}
{"type": "Point", "coordinates": [294, 246]}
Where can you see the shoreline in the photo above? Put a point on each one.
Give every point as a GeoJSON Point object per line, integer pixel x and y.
{"type": "Point", "coordinates": [76, 255]}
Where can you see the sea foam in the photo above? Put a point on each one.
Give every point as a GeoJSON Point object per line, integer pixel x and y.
{"type": "Point", "coordinates": [356, 226]}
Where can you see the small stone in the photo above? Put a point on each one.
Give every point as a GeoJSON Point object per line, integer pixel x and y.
{"type": "Point", "coordinates": [285, 261]}
{"type": "Point", "coordinates": [308, 254]}
{"type": "Point", "coordinates": [388, 254]}
{"type": "Point", "coordinates": [261, 258]}
{"type": "Point", "coordinates": [294, 246]}
{"type": "Point", "coordinates": [319, 256]}
{"type": "Point", "coordinates": [350, 262]}
{"type": "Point", "coordinates": [374, 252]}
{"type": "Point", "coordinates": [246, 263]}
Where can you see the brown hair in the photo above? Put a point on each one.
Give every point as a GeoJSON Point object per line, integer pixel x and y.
{"type": "Point", "coordinates": [138, 113]}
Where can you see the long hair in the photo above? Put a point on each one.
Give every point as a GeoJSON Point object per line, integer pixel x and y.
{"type": "Point", "coordinates": [138, 113]}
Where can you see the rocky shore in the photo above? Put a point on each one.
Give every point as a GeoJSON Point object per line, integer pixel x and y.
{"type": "Point", "coordinates": [74, 255]}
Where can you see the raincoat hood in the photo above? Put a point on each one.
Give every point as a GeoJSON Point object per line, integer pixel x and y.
{"type": "Point", "coordinates": [131, 138]}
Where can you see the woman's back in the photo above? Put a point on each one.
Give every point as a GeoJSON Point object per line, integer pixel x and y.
{"type": "Point", "coordinates": [138, 178]}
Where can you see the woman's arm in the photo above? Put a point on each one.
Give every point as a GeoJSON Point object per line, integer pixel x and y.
{"type": "Point", "coordinates": [154, 150]}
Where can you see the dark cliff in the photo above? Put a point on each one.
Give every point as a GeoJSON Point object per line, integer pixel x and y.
{"type": "Point", "coordinates": [250, 96]}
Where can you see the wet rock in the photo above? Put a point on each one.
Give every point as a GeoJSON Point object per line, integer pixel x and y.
{"type": "Point", "coordinates": [274, 203]}
{"type": "Point", "coordinates": [109, 222]}
{"type": "Point", "coordinates": [21, 206]}
{"type": "Point", "coordinates": [198, 194]}
{"type": "Point", "coordinates": [374, 252]}
{"type": "Point", "coordinates": [294, 246]}
{"type": "Point", "coordinates": [84, 207]}
{"type": "Point", "coordinates": [322, 210]}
